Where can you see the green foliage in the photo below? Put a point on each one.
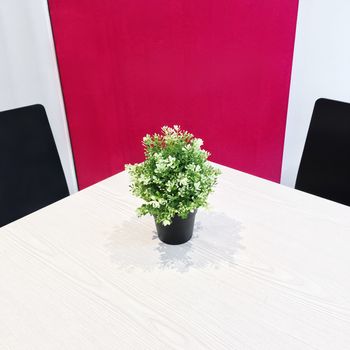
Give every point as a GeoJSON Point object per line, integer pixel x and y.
{"type": "Point", "coordinates": [175, 177]}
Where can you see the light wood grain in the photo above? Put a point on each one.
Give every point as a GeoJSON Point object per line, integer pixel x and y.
{"type": "Point", "coordinates": [268, 268]}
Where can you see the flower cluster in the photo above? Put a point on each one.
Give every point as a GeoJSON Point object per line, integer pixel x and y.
{"type": "Point", "coordinates": [175, 178]}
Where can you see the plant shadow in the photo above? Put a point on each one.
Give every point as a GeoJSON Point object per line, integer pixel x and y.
{"type": "Point", "coordinates": [215, 242]}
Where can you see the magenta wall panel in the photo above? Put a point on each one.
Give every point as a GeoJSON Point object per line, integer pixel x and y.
{"type": "Point", "coordinates": [220, 69]}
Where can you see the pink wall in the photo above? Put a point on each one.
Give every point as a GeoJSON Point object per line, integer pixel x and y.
{"type": "Point", "coordinates": [219, 68]}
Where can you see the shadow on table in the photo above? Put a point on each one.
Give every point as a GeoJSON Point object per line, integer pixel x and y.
{"type": "Point", "coordinates": [214, 244]}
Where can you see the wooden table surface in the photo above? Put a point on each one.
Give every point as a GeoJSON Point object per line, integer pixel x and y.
{"type": "Point", "coordinates": [268, 268]}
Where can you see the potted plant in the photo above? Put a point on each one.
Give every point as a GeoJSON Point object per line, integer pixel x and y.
{"type": "Point", "coordinates": [174, 181]}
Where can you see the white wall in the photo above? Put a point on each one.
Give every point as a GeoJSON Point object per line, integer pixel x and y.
{"type": "Point", "coordinates": [28, 69]}
{"type": "Point", "coordinates": [321, 68]}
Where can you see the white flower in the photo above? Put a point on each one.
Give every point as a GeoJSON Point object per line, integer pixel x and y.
{"type": "Point", "coordinates": [171, 161]}
{"type": "Point", "coordinates": [155, 204]}
{"type": "Point", "coordinates": [144, 179]}
{"type": "Point", "coordinates": [161, 165]}
{"type": "Point", "coordinates": [170, 185]}
{"type": "Point", "coordinates": [198, 142]}
{"type": "Point", "coordinates": [183, 181]}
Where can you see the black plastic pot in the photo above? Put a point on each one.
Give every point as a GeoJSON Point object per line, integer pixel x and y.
{"type": "Point", "coordinates": [179, 231]}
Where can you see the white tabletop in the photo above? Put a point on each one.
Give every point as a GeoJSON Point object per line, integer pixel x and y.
{"type": "Point", "coordinates": [268, 268]}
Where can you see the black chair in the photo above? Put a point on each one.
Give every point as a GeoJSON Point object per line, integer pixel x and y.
{"type": "Point", "coordinates": [325, 164]}
{"type": "Point", "coordinates": [31, 174]}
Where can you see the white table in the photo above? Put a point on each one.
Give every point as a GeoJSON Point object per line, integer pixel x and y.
{"type": "Point", "coordinates": [268, 268]}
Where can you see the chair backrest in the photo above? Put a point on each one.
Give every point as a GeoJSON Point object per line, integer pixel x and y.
{"type": "Point", "coordinates": [325, 164]}
{"type": "Point", "coordinates": [31, 174]}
